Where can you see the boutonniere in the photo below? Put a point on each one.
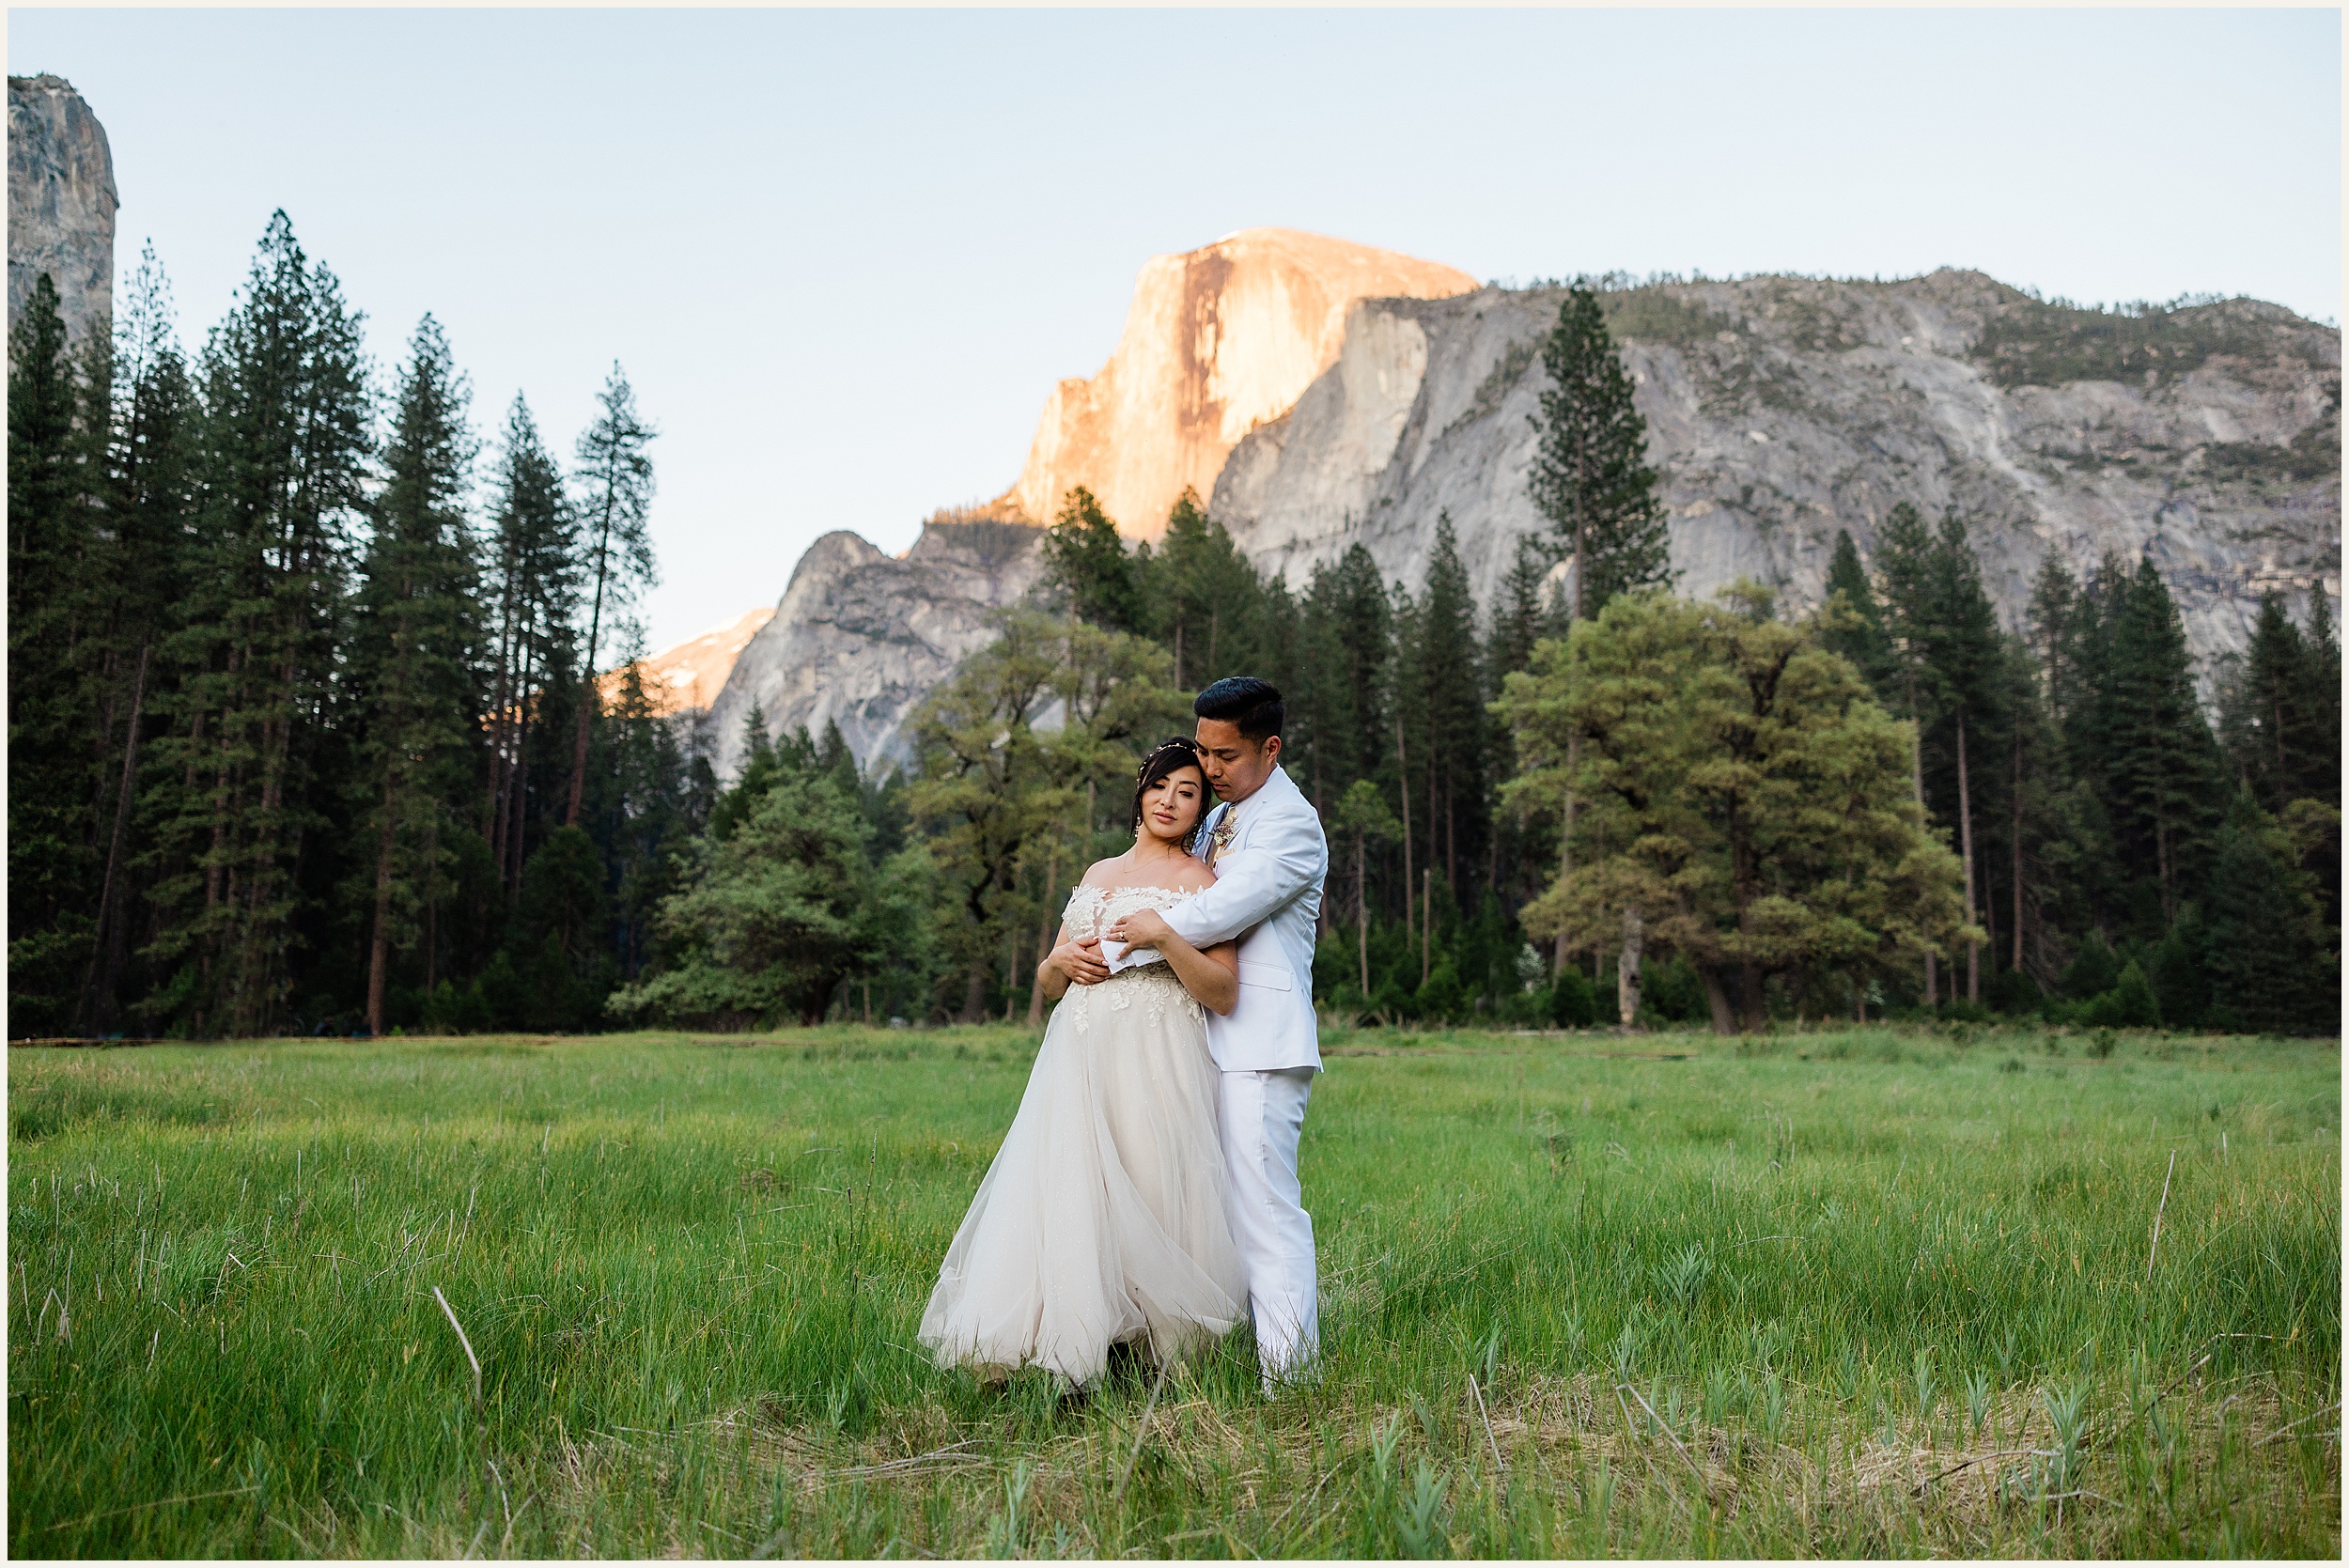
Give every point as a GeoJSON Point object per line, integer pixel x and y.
{"type": "Point", "coordinates": [1220, 839]}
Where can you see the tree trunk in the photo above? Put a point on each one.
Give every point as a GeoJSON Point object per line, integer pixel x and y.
{"type": "Point", "coordinates": [1965, 840]}
{"type": "Point", "coordinates": [579, 752]}
{"type": "Point", "coordinates": [380, 945]}
{"type": "Point", "coordinates": [1403, 765]}
{"type": "Point", "coordinates": [1749, 989]}
{"type": "Point", "coordinates": [1917, 782]}
{"type": "Point", "coordinates": [1361, 906]}
{"type": "Point", "coordinates": [1565, 839]}
{"type": "Point", "coordinates": [1627, 969]}
{"type": "Point", "coordinates": [107, 955]}
{"type": "Point", "coordinates": [1427, 922]}
{"type": "Point", "coordinates": [433, 902]}
{"type": "Point", "coordinates": [1716, 997]}
{"type": "Point", "coordinates": [2017, 837]}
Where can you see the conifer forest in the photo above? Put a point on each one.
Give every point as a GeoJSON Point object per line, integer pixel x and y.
{"type": "Point", "coordinates": [309, 735]}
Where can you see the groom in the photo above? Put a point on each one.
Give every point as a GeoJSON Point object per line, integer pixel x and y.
{"type": "Point", "coordinates": [1264, 844]}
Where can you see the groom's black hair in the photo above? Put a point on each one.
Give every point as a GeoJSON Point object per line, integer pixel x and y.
{"type": "Point", "coordinates": [1249, 702]}
{"type": "Point", "coordinates": [1174, 752]}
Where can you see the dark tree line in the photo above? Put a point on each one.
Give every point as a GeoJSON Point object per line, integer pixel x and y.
{"type": "Point", "coordinates": [304, 733]}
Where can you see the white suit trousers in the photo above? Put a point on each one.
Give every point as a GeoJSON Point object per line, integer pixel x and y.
{"type": "Point", "coordinates": [1264, 1113]}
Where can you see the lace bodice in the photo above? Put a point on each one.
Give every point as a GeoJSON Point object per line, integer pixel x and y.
{"type": "Point", "coordinates": [1092, 910]}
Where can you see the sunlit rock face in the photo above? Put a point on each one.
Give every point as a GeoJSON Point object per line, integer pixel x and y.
{"type": "Point", "coordinates": [691, 674]}
{"type": "Point", "coordinates": [61, 204]}
{"type": "Point", "coordinates": [1781, 410]}
{"type": "Point", "coordinates": [1217, 341]}
{"type": "Point", "coordinates": [859, 637]}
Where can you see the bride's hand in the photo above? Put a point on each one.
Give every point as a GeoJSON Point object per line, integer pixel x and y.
{"type": "Point", "coordinates": [1082, 962]}
{"type": "Point", "coordinates": [1142, 928]}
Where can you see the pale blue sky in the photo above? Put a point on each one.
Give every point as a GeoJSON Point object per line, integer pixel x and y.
{"type": "Point", "coordinates": [844, 255]}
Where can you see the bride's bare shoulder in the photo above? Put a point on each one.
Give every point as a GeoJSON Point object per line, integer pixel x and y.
{"type": "Point", "coordinates": [1191, 877]}
{"type": "Point", "coordinates": [1105, 874]}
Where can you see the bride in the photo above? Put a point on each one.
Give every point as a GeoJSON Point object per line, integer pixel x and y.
{"type": "Point", "coordinates": [1103, 1221]}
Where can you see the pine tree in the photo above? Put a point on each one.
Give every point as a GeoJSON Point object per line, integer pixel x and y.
{"type": "Point", "coordinates": [1088, 562]}
{"type": "Point", "coordinates": [1590, 475]}
{"type": "Point", "coordinates": [2274, 965]}
{"type": "Point", "coordinates": [411, 658]}
{"type": "Point", "coordinates": [149, 507]}
{"type": "Point", "coordinates": [535, 585]}
{"type": "Point", "coordinates": [2150, 753]}
{"type": "Point", "coordinates": [1526, 612]}
{"type": "Point", "coordinates": [50, 610]}
{"type": "Point", "coordinates": [1450, 709]}
{"type": "Point", "coordinates": [614, 476]}
{"type": "Point", "coordinates": [286, 447]}
{"type": "Point", "coordinates": [1860, 639]}
{"type": "Point", "coordinates": [2282, 717]}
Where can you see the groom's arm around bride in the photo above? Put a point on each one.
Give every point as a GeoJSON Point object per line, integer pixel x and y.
{"type": "Point", "coordinates": [1265, 847]}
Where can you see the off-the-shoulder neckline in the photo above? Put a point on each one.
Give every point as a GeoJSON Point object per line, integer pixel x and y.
{"type": "Point", "coordinates": [1134, 886]}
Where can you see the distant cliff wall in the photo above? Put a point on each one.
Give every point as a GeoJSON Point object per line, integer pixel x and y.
{"type": "Point", "coordinates": [61, 203]}
{"type": "Point", "coordinates": [1217, 341]}
{"type": "Point", "coordinates": [859, 637]}
{"type": "Point", "coordinates": [1779, 410]}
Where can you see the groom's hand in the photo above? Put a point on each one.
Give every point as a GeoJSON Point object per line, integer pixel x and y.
{"type": "Point", "coordinates": [1082, 962]}
{"type": "Point", "coordinates": [1142, 928]}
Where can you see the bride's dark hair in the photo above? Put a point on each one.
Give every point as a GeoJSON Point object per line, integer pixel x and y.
{"type": "Point", "coordinates": [1174, 752]}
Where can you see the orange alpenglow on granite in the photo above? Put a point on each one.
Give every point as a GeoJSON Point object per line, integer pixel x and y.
{"type": "Point", "coordinates": [1217, 342]}
{"type": "Point", "coordinates": [691, 674]}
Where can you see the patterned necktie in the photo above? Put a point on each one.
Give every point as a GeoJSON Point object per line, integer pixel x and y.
{"type": "Point", "coordinates": [1219, 837]}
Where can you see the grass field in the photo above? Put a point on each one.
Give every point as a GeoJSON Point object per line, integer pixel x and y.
{"type": "Point", "coordinates": [1857, 1292]}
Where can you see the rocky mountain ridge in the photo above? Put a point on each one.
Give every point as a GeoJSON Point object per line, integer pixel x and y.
{"type": "Point", "coordinates": [859, 637]}
{"type": "Point", "coordinates": [1779, 410]}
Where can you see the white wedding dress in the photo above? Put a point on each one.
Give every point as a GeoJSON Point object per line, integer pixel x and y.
{"type": "Point", "coordinates": [1102, 1219]}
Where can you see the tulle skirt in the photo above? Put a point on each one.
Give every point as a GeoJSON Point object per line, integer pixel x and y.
{"type": "Point", "coordinates": [1102, 1219]}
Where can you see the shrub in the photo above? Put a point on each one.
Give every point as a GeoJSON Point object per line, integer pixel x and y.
{"type": "Point", "coordinates": [2014, 993]}
{"type": "Point", "coordinates": [1440, 999]}
{"type": "Point", "coordinates": [1572, 1000]}
{"type": "Point", "coordinates": [2093, 970]}
{"type": "Point", "coordinates": [2130, 1003]}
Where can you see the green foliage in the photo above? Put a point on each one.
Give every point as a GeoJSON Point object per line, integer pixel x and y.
{"type": "Point", "coordinates": [1590, 475]}
{"type": "Point", "coordinates": [1198, 595]}
{"type": "Point", "coordinates": [1088, 562]}
{"type": "Point", "coordinates": [1656, 314]}
{"type": "Point", "coordinates": [1572, 1000]}
{"type": "Point", "coordinates": [2274, 962]}
{"type": "Point", "coordinates": [2130, 1003]}
{"type": "Point", "coordinates": [1718, 741]}
{"type": "Point", "coordinates": [2094, 969]}
{"type": "Point", "coordinates": [2280, 715]}
{"type": "Point", "coordinates": [1011, 813]}
{"type": "Point", "coordinates": [245, 789]}
{"type": "Point", "coordinates": [775, 915]}
{"type": "Point", "coordinates": [2029, 342]}
{"type": "Point", "coordinates": [412, 656]}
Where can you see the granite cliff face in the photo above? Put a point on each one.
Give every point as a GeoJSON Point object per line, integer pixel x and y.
{"type": "Point", "coordinates": [1781, 409]}
{"type": "Point", "coordinates": [1217, 341]}
{"type": "Point", "coordinates": [859, 637]}
{"type": "Point", "coordinates": [690, 676]}
{"type": "Point", "coordinates": [61, 203]}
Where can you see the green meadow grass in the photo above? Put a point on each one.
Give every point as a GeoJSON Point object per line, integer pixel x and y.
{"type": "Point", "coordinates": [1848, 1293]}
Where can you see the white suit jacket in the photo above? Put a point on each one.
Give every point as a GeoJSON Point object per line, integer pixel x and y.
{"type": "Point", "coordinates": [1268, 893]}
